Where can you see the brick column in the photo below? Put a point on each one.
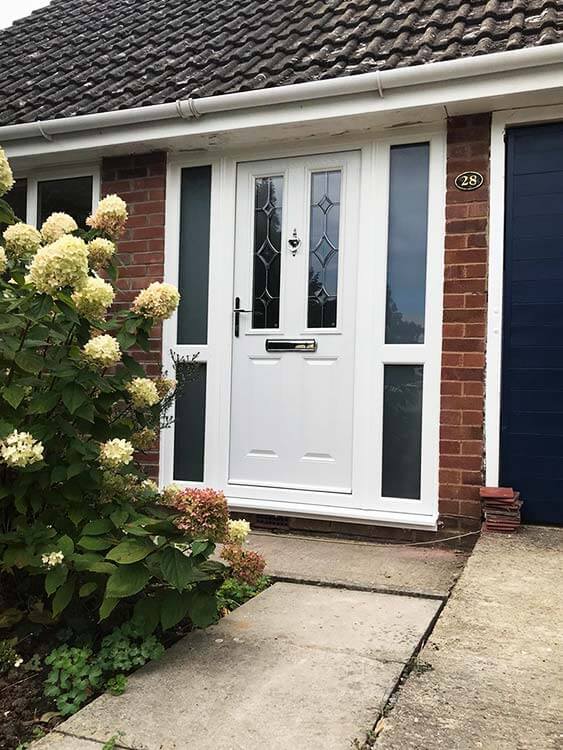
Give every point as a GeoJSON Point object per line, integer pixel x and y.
{"type": "Point", "coordinates": [141, 181]}
{"type": "Point", "coordinates": [463, 349]}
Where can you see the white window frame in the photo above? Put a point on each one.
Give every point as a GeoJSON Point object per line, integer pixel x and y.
{"type": "Point", "coordinates": [59, 173]}
{"type": "Point", "coordinates": [370, 360]}
{"type": "Point", "coordinates": [493, 382]}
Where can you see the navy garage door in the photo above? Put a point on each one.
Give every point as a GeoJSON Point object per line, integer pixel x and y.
{"type": "Point", "coordinates": [532, 369]}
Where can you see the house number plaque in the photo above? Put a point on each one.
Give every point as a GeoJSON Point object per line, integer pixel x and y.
{"type": "Point", "coordinates": [469, 180]}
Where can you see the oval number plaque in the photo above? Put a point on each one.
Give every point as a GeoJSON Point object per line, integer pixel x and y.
{"type": "Point", "coordinates": [469, 180]}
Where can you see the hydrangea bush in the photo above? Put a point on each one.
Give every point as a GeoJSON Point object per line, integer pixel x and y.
{"type": "Point", "coordinates": [82, 530]}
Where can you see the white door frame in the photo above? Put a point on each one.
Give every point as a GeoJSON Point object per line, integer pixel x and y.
{"type": "Point", "coordinates": [500, 122]}
{"type": "Point", "coordinates": [374, 188]}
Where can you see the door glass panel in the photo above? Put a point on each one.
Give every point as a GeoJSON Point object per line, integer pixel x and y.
{"type": "Point", "coordinates": [402, 431]}
{"type": "Point", "coordinates": [189, 428]}
{"type": "Point", "coordinates": [268, 207]}
{"type": "Point", "coordinates": [324, 230]}
{"type": "Point", "coordinates": [71, 195]}
{"type": "Point", "coordinates": [408, 229]}
{"type": "Point", "coordinates": [195, 207]}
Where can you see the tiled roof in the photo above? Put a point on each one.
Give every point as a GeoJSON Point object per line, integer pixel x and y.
{"type": "Point", "coordinates": [83, 56]}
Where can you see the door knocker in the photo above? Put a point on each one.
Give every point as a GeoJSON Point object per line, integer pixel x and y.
{"type": "Point", "coordinates": [294, 242]}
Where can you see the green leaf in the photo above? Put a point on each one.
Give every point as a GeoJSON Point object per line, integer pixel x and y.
{"type": "Point", "coordinates": [58, 474]}
{"type": "Point", "coordinates": [177, 569]}
{"type": "Point", "coordinates": [74, 396]}
{"type": "Point", "coordinates": [43, 402]}
{"type": "Point", "coordinates": [86, 589]}
{"type": "Point", "coordinates": [174, 608]}
{"type": "Point", "coordinates": [29, 362]}
{"type": "Point", "coordinates": [199, 547]}
{"type": "Point", "coordinates": [55, 578]}
{"type": "Point", "coordinates": [132, 366]}
{"type": "Point", "coordinates": [125, 339]}
{"type": "Point", "coordinates": [131, 551]}
{"type": "Point", "coordinates": [94, 543]}
{"type": "Point", "coordinates": [14, 395]}
{"type": "Point", "coordinates": [66, 545]}
{"type": "Point", "coordinates": [18, 557]}
{"type": "Point", "coordinates": [100, 526]}
{"type": "Point", "coordinates": [127, 580]}
{"type": "Point", "coordinates": [7, 216]}
{"type": "Point", "coordinates": [93, 563]}
{"type": "Point", "coordinates": [10, 617]}
{"type": "Point", "coordinates": [63, 596]}
{"type": "Point", "coordinates": [74, 469]}
{"type": "Point", "coordinates": [202, 608]}
{"type": "Point", "coordinates": [146, 615]}
{"type": "Point", "coordinates": [107, 607]}
{"type": "Point", "coordinates": [119, 517]}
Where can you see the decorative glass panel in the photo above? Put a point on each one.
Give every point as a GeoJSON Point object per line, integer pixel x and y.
{"type": "Point", "coordinates": [72, 195]}
{"type": "Point", "coordinates": [268, 207]}
{"type": "Point", "coordinates": [189, 429]}
{"type": "Point", "coordinates": [323, 249]}
{"type": "Point", "coordinates": [408, 228]}
{"type": "Point", "coordinates": [194, 255]}
{"type": "Point", "coordinates": [402, 431]}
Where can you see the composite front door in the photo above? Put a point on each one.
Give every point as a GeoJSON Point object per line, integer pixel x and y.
{"type": "Point", "coordinates": [292, 396]}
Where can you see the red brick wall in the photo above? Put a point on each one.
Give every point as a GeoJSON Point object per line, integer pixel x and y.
{"type": "Point", "coordinates": [141, 181]}
{"type": "Point", "coordinates": [463, 349]}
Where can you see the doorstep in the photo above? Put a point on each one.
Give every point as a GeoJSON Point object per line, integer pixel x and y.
{"type": "Point", "coordinates": [413, 569]}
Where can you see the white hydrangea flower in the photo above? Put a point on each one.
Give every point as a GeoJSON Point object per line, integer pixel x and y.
{"type": "Point", "coordinates": [165, 385]}
{"type": "Point", "coordinates": [238, 531]}
{"type": "Point", "coordinates": [60, 264]}
{"type": "Point", "coordinates": [52, 559]}
{"type": "Point", "coordinates": [57, 225]}
{"type": "Point", "coordinates": [110, 216]}
{"type": "Point", "coordinates": [102, 351]}
{"type": "Point", "coordinates": [100, 252]}
{"type": "Point", "coordinates": [21, 449]}
{"type": "Point", "coordinates": [3, 260]}
{"type": "Point", "coordinates": [18, 662]}
{"type": "Point", "coordinates": [93, 297]}
{"type": "Point", "coordinates": [170, 492]}
{"type": "Point", "coordinates": [149, 486]}
{"type": "Point", "coordinates": [116, 452]}
{"type": "Point", "coordinates": [143, 392]}
{"type": "Point", "coordinates": [21, 240]}
{"type": "Point", "coordinates": [6, 176]}
{"type": "Point", "coordinates": [157, 301]}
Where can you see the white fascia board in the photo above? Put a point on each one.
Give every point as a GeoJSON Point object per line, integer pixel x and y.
{"type": "Point", "coordinates": [471, 86]}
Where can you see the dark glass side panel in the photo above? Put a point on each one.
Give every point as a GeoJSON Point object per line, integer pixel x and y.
{"type": "Point", "coordinates": [268, 208]}
{"type": "Point", "coordinates": [189, 429]}
{"type": "Point", "coordinates": [195, 217]}
{"type": "Point", "coordinates": [407, 242]}
{"type": "Point", "coordinates": [17, 199]}
{"type": "Point", "coordinates": [72, 195]}
{"type": "Point", "coordinates": [323, 249]}
{"type": "Point", "coordinates": [402, 431]}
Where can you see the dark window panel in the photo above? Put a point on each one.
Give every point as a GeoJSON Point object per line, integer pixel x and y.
{"type": "Point", "coordinates": [402, 431]}
{"type": "Point", "coordinates": [268, 208]}
{"type": "Point", "coordinates": [189, 429]}
{"type": "Point", "coordinates": [195, 216]}
{"type": "Point", "coordinates": [72, 195]}
{"type": "Point", "coordinates": [407, 241]}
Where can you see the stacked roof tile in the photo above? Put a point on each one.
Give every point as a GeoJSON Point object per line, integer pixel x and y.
{"type": "Point", "coordinates": [83, 56]}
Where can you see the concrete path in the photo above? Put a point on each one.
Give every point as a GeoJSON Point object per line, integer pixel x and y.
{"type": "Point", "coordinates": [392, 568]}
{"type": "Point", "coordinates": [296, 668]}
{"type": "Point", "coordinates": [490, 676]}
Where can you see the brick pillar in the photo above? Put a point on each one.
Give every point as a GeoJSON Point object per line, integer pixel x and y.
{"type": "Point", "coordinates": [463, 349]}
{"type": "Point", "coordinates": [141, 181]}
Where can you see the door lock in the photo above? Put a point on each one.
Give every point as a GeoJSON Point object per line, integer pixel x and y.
{"type": "Point", "coordinates": [294, 242]}
{"type": "Point", "coordinates": [237, 311]}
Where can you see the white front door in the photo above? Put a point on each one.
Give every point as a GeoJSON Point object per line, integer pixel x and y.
{"type": "Point", "coordinates": [292, 395]}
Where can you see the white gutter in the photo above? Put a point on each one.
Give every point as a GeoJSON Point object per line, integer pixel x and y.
{"type": "Point", "coordinates": [377, 82]}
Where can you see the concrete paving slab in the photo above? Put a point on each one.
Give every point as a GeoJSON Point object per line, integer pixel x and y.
{"type": "Point", "coordinates": [58, 741]}
{"type": "Point", "coordinates": [383, 567]}
{"type": "Point", "coordinates": [493, 664]}
{"type": "Point", "coordinates": [297, 667]}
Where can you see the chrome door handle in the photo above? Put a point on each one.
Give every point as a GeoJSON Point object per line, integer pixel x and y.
{"type": "Point", "coordinates": [237, 311]}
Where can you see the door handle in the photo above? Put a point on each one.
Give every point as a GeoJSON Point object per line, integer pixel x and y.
{"type": "Point", "coordinates": [237, 311]}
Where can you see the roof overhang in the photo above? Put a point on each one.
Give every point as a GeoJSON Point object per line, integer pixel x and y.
{"type": "Point", "coordinates": [362, 102]}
